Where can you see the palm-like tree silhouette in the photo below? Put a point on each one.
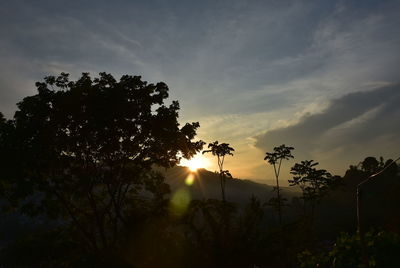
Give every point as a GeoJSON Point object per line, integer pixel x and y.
{"type": "Point", "coordinates": [221, 150]}
{"type": "Point", "coordinates": [275, 159]}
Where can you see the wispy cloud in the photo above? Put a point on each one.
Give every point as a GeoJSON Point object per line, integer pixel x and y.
{"type": "Point", "coordinates": [241, 68]}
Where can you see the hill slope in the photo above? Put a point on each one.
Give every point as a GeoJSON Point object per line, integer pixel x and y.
{"type": "Point", "coordinates": [206, 184]}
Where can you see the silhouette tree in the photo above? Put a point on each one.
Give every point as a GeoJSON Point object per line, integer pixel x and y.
{"type": "Point", "coordinates": [313, 182]}
{"type": "Point", "coordinates": [221, 150]}
{"type": "Point", "coordinates": [370, 164]}
{"type": "Point", "coordinates": [82, 151]}
{"type": "Point", "coordinates": [382, 170]}
{"type": "Point", "coordinates": [275, 158]}
{"type": "Point", "coordinates": [349, 251]}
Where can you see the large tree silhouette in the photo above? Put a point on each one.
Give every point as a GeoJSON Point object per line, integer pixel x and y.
{"type": "Point", "coordinates": [82, 151]}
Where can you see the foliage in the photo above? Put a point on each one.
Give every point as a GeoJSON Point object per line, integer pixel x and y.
{"type": "Point", "coordinates": [275, 158]}
{"type": "Point", "coordinates": [377, 249]}
{"type": "Point", "coordinates": [313, 182]}
{"type": "Point", "coordinates": [222, 235]}
{"type": "Point", "coordinates": [221, 150]}
{"type": "Point", "coordinates": [82, 152]}
{"type": "Point", "coordinates": [280, 153]}
{"type": "Point", "coordinates": [371, 165]}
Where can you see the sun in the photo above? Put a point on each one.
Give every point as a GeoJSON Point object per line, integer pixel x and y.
{"type": "Point", "coordinates": [198, 161]}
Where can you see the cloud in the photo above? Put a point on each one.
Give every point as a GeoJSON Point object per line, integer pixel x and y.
{"type": "Point", "coordinates": [352, 127]}
{"type": "Point", "coordinates": [241, 68]}
{"type": "Point", "coordinates": [217, 57]}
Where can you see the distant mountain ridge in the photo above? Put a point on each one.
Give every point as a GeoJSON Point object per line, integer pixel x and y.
{"type": "Point", "coordinates": [206, 185]}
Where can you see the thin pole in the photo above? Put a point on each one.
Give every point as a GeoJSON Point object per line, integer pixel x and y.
{"type": "Point", "coordinates": [358, 211]}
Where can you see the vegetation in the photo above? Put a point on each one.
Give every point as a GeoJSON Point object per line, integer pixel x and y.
{"type": "Point", "coordinates": [82, 165]}
{"type": "Point", "coordinates": [376, 249]}
{"type": "Point", "coordinates": [275, 159]}
{"type": "Point", "coordinates": [314, 183]}
{"type": "Point", "coordinates": [82, 152]}
{"type": "Point", "coordinates": [220, 151]}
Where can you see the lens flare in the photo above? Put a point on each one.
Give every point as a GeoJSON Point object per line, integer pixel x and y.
{"type": "Point", "coordinates": [180, 202]}
{"type": "Point", "coordinates": [189, 179]}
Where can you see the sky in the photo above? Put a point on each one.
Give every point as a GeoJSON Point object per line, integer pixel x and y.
{"type": "Point", "coordinates": [321, 76]}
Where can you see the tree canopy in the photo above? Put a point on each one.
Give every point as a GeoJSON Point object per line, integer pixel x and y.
{"type": "Point", "coordinates": [83, 151]}
{"type": "Point", "coordinates": [220, 150]}
{"type": "Point", "coordinates": [275, 158]}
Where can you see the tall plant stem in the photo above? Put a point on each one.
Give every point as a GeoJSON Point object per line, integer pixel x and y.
{"type": "Point", "coordinates": [278, 191]}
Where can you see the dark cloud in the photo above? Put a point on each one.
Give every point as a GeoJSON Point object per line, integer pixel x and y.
{"type": "Point", "coordinates": [352, 127]}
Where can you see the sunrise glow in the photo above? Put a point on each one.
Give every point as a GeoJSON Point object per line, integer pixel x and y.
{"type": "Point", "coordinates": [198, 161]}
